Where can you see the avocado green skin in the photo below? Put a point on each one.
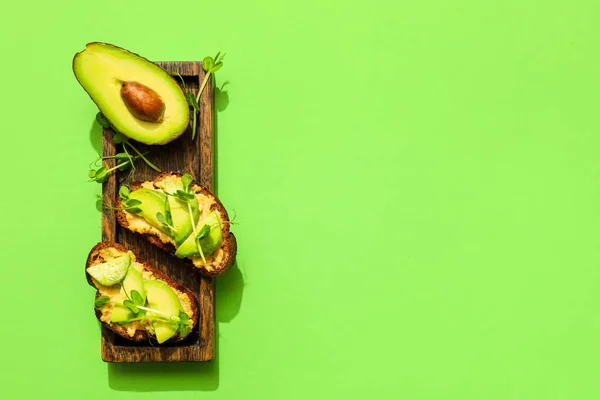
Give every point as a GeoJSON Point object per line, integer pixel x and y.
{"type": "Point", "coordinates": [128, 130]}
{"type": "Point", "coordinates": [162, 298]}
{"type": "Point", "coordinates": [208, 243]}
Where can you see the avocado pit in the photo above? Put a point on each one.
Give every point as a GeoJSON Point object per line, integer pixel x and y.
{"type": "Point", "coordinates": [143, 102]}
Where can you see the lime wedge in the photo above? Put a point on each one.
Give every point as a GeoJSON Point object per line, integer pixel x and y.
{"type": "Point", "coordinates": [111, 272]}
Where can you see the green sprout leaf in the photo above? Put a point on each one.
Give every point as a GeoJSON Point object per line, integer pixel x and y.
{"type": "Point", "coordinates": [119, 138]}
{"type": "Point", "coordinates": [208, 63]}
{"type": "Point", "coordinates": [132, 206]}
{"type": "Point", "coordinates": [101, 119]}
{"type": "Point", "coordinates": [184, 325]}
{"type": "Point", "coordinates": [216, 67]}
{"type": "Point", "coordinates": [161, 218]}
{"type": "Point", "coordinates": [203, 232]}
{"type": "Point", "coordinates": [124, 166]}
{"type": "Point", "coordinates": [124, 192]}
{"type": "Point", "coordinates": [131, 305]}
{"type": "Point", "coordinates": [186, 179]}
{"type": "Point", "coordinates": [100, 175]}
{"type": "Point", "coordinates": [136, 297]}
{"type": "Point", "coordinates": [132, 202]}
{"type": "Point", "coordinates": [125, 160]}
{"type": "Point", "coordinates": [101, 301]}
{"type": "Point", "coordinates": [192, 101]}
{"type": "Point", "coordinates": [183, 196]}
{"type": "Point", "coordinates": [122, 156]}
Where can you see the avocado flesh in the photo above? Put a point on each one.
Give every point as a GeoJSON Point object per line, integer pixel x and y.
{"type": "Point", "coordinates": [180, 214]}
{"type": "Point", "coordinates": [162, 298]}
{"type": "Point", "coordinates": [133, 281]}
{"type": "Point", "coordinates": [102, 69]}
{"type": "Point", "coordinates": [208, 244]}
{"type": "Point", "coordinates": [153, 202]}
{"type": "Point", "coordinates": [119, 312]}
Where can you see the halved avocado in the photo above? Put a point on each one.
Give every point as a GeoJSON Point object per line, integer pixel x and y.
{"type": "Point", "coordinates": [103, 70]}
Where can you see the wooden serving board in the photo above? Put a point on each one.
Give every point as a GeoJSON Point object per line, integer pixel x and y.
{"type": "Point", "coordinates": [182, 155]}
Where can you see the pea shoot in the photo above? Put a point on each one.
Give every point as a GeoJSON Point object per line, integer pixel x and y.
{"type": "Point", "coordinates": [210, 66]}
{"type": "Point", "coordinates": [100, 174]}
{"type": "Point", "coordinates": [119, 138]}
{"type": "Point", "coordinates": [166, 219]}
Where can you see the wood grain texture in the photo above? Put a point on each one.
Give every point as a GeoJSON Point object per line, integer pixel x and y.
{"type": "Point", "coordinates": [181, 155]}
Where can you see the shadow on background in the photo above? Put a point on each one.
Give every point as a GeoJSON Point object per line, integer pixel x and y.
{"type": "Point", "coordinates": [159, 377]}
{"type": "Point", "coordinates": [221, 102]}
{"type": "Point", "coordinates": [202, 376]}
{"type": "Point", "coordinates": [221, 97]}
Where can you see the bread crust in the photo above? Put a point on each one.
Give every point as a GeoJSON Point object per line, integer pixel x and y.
{"type": "Point", "coordinates": [229, 244]}
{"type": "Point", "coordinates": [141, 335]}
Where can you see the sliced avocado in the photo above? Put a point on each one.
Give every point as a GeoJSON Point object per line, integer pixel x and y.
{"type": "Point", "coordinates": [110, 272]}
{"type": "Point", "coordinates": [208, 244]}
{"type": "Point", "coordinates": [180, 213]}
{"type": "Point", "coordinates": [128, 88]}
{"type": "Point", "coordinates": [119, 312]}
{"type": "Point", "coordinates": [134, 281]}
{"type": "Point", "coordinates": [153, 202]}
{"type": "Point", "coordinates": [162, 298]}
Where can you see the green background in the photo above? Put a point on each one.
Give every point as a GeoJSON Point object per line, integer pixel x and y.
{"type": "Point", "coordinates": [416, 184]}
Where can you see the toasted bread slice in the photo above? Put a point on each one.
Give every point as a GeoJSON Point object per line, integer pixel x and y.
{"type": "Point", "coordinates": [136, 331]}
{"type": "Point", "coordinates": [216, 263]}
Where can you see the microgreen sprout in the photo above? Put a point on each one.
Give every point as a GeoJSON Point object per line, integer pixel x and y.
{"type": "Point", "coordinates": [192, 103]}
{"type": "Point", "coordinates": [119, 138]}
{"type": "Point", "coordinates": [101, 119]}
{"type": "Point", "coordinates": [140, 154]}
{"type": "Point", "coordinates": [203, 232]}
{"type": "Point", "coordinates": [186, 180]}
{"type": "Point", "coordinates": [101, 301]}
{"type": "Point", "coordinates": [134, 301]}
{"type": "Point", "coordinates": [210, 66]}
{"type": "Point", "coordinates": [130, 205]}
{"type": "Point", "coordinates": [167, 219]}
{"type": "Point", "coordinates": [101, 174]}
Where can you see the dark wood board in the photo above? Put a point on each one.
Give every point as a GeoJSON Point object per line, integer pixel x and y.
{"type": "Point", "coordinates": [182, 155]}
